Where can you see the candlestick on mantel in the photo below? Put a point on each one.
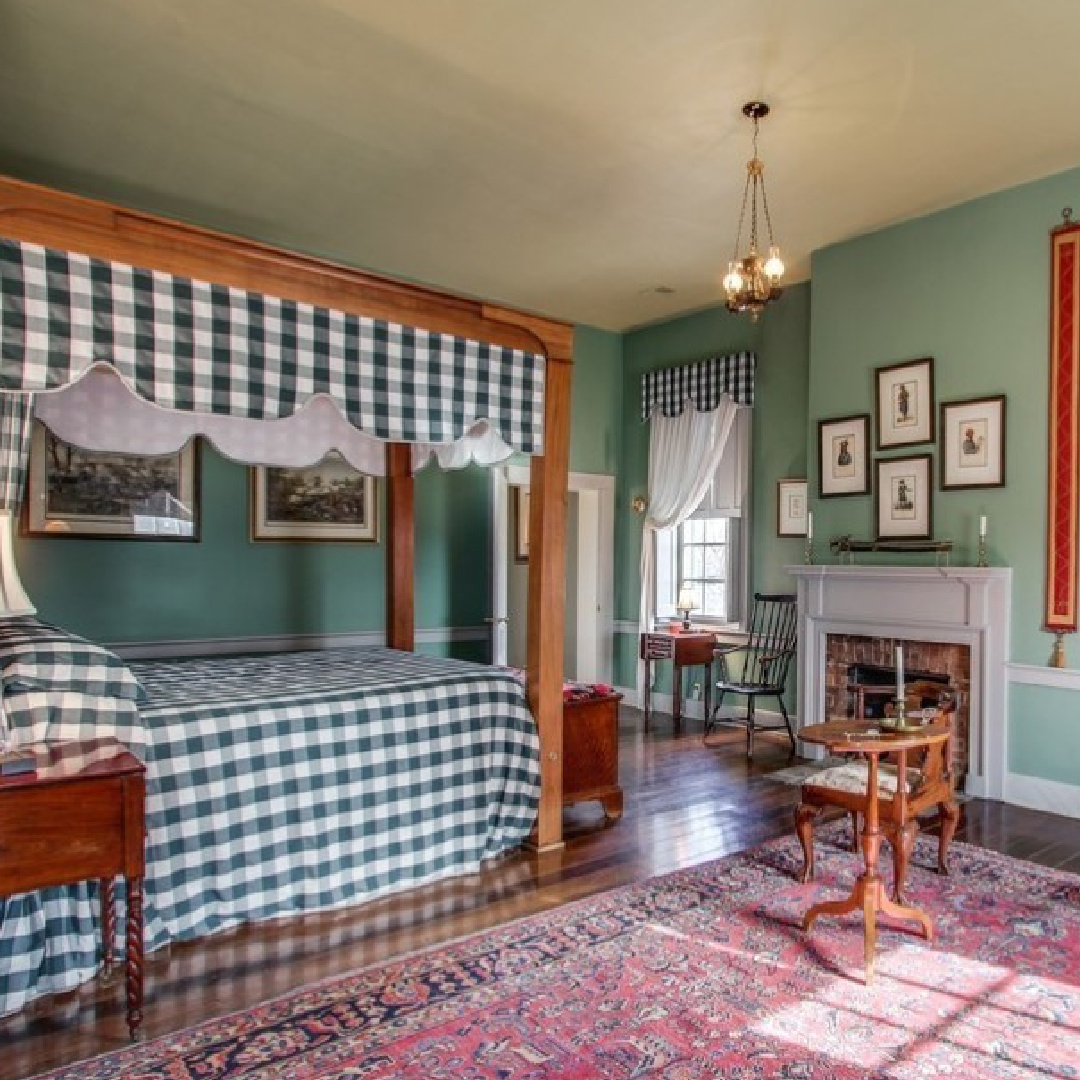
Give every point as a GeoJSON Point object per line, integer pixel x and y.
{"type": "Point", "coordinates": [981, 557]}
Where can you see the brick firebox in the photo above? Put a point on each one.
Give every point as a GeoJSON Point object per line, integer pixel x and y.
{"type": "Point", "coordinates": [921, 658]}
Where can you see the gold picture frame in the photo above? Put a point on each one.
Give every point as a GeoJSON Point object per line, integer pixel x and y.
{"type": "Point", "coordinates": [105, 495]}
{"type": "Point", "coordinates": [327, 501]}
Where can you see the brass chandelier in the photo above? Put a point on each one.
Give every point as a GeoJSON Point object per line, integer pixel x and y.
{"type": "Point", "coordinates": [753, 279]}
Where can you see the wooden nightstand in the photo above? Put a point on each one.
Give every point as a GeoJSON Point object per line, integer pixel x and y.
{"type": "Point", "coordinates": [79, 816]}
{"type": "Point", "coordinates": [591, 752]}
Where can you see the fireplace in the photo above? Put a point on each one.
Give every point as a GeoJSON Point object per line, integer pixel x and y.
{"type": "Point", "coordinates": [871, 688]}
{"type": "Point", "coordinates": [952, 621]}
{"type": "Point", "coordinates": [860, 680]}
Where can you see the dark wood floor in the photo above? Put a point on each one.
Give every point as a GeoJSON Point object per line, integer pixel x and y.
{"type": "Point", "coordinates": [685, 803]}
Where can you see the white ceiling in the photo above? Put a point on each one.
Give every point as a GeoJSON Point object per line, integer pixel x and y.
{"type": "Point", "coordinates": [565, 156]}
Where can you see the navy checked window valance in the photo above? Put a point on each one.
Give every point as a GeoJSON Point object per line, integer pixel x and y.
{"type": "Point", "coordinates": [191, 345]}
{"type": "Point", "coordinates": [703, 383]}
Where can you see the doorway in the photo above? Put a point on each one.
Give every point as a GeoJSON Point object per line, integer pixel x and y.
{"type": "Point", "coordinates": [590, 575]}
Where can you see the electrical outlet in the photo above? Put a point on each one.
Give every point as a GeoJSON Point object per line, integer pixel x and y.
{"type": "Point", "coordinates": [695, 692]}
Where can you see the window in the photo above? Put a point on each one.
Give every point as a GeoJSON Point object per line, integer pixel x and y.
{"type": "Point", "coordinates": [707, 553]}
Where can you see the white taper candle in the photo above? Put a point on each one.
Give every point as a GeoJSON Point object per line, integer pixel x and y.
{"type": "Point", "coordinates": [899, 672]}
{"type": "Point", "coordinates": [982, 526]}
{"type": "Point", "coordinates": [809, 525]}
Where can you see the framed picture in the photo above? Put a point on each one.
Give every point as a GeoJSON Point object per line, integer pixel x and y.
{"type": "Point", "coordinates": [327, 501]}
{"type": "Point", "coordinates": [76, 492]}
{"type": "Point", "coordinates": [521, 523]}
{"type": "Point", "coordinates": [973, 443]}
{"type": "Point", "coordinates": [790, 507]}
{"type": "Point", "coordinates": [842, 459]}
{"type": "Point", "coordinates": [905, 404]}
{"type": "Point", "coordinates": [903, 502]}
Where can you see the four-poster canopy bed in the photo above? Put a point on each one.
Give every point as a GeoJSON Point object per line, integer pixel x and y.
{"type": "Point", "coordinates": [51, 238]}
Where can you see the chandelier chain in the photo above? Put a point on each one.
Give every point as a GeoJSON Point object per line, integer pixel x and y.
{"type": "Point", "coordinates": [742, 215]}
{"type": "Point", "coordinates": [753, 279]}
{"type": "Point", "coordinates": [765, 207]}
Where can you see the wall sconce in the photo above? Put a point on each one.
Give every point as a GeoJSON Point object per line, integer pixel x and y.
{"type": "Point", "coordinates": [639, 504]}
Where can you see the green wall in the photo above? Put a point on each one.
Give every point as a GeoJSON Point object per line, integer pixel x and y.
{"type": "Point", "coordinates": [596, 401]}
{"type": "Point", "coordinates": [969, 287]}
{"type": "Point", "coordinates": [779, 441]}
{"type": "Point", "coordinates": [225, 586]}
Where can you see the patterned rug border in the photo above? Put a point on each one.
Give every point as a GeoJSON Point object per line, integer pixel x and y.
{"type": "Point", "coordinates": [124, 1062]}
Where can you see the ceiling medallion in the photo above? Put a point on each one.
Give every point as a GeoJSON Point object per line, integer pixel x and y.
{"type": "Point", "coordinates": [753, 279]}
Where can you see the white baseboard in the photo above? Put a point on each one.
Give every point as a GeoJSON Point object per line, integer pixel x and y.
{"type": "Point", "coordinates": [1036, 794]}
{"type": "Point", "coordinates": [153, 650]}
{"type": "Point", "coordinates": [1027, 791]}
{"type": "Point", "coordinates": [694, 707]}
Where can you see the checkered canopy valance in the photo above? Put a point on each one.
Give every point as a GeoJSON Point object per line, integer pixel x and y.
{"type": "Point", "coordinates": [194, 346]}
{"type": "Point", "coordinates": [703, 383]}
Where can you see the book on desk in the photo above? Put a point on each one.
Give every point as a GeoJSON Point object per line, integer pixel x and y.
{"type": "Point", "coordinates": [17, 762]}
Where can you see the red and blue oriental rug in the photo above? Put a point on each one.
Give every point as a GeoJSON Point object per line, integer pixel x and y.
{"type": "Point", "coordinates": [705, 973]}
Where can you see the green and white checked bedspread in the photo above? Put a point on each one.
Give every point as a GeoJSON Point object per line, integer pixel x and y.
{"type": "Point", "coordinates": [280, 784]}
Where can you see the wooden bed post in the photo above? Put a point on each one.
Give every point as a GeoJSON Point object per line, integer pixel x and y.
{"type": "Point", "coordinates": [400, 576]}
{"type": "Point", "coordinates": [547, 593]}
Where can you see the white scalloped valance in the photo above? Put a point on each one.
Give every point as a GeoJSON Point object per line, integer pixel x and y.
{"type": "Point", "coordinates": [100, 412]}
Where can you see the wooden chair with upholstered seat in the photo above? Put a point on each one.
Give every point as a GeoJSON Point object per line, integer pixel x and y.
{"type": "Point", "coordinates": [928, 783]}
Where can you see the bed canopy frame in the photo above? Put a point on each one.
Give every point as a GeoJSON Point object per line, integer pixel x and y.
{"type": "Point", "coordinates": [35, 215]}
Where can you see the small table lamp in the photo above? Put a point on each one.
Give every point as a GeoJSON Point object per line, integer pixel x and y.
{"type": "Point", "coordinates": [686, 603]}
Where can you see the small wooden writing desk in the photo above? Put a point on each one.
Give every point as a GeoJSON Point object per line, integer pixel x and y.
{"type": "Point", "coordinates": [684, 648]}
{"type": "Point", "coordinates": [869, 895]}
{"type": "Point", "coordinates": [79, 816]}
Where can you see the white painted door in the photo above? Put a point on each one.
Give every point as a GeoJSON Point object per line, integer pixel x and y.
{"type": "Point", "coordinates": [590, 582]}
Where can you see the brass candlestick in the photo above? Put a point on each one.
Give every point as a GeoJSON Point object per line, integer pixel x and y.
{"type": "Point", "coordinates": [981, 559]}
{"type": "Point", "coordinates": [1057, 655]}
{"type": "Point", "coordinates": [899, 719]}
{"type": "Point", "coordinates": [808, 553]}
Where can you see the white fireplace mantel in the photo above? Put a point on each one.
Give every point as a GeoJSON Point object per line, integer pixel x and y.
{"type": "Point", "coordinates": [963, 604]}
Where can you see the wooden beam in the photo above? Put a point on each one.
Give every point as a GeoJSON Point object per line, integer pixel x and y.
{"type": "Point", "coordinates": [547, 595]}
{"type": "Point", "coordinates": [400, 547]}
{"type": "Point", "coordinates": [39, 215]}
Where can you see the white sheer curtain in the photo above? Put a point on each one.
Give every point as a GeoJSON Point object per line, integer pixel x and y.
{"type": "Point", "coordinates": [684, 452]}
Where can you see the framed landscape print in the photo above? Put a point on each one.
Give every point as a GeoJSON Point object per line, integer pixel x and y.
{"type": "Point", "coordinates": [842, 457]}
{"type": "Point", "coordinates": [790, 507]}
{"type": "Point", "coordinates": [327, 501]}
{"type": "Point", "coordinates": [973, 443]}
{"type": "Point", "coordinates": [903, 498]}
{"type": "Point", "coordinates": [905, 404]}
{"type": "Point", "coordinates": [76, 492]}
